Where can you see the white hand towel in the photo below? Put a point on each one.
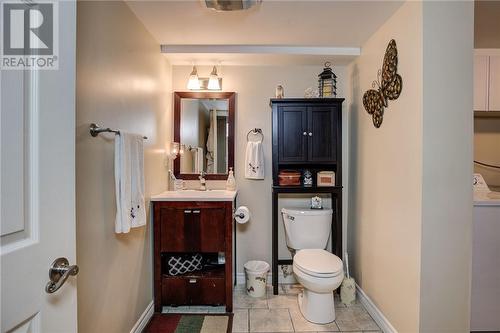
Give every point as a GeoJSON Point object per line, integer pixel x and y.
{"type": "Point", "coordinates": [198, 160]}
{"type": "Point", "coordinates": [254, 160]}
{"type": "Point", "coordinates": [129, 182]}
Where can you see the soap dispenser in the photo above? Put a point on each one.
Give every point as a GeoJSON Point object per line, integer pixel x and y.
{"type": "Point", "coordinates": [231, 181]}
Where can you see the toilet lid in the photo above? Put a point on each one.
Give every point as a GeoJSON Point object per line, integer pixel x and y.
{"type": "Point", "coordinates": [317, 262]}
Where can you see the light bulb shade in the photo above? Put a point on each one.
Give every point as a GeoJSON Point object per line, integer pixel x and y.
{"type": "Point", "coordinates": [213, 81]}
{"type": "Point", "coordinates": [194, 82]}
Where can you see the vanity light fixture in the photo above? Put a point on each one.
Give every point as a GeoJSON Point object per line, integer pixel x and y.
{"type": "Point", "coordinates": [194, 81]}
{"type": "Point", "coordinates": [175, 150]}
{"type": "Point", "coordinates": [214, 82]}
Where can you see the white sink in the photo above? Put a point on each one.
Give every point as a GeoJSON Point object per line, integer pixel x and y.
{"type": "Point", "coordinates": [195, 195]}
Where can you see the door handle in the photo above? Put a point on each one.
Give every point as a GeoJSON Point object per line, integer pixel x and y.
{"type": "Point", "coordinates": [59, 273]}
{"type": "Point", "coordinates": [196, 212]}
{"type": "Point", "coordinates": [187, 211]}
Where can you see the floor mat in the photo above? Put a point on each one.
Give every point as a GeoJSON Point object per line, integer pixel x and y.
{"type": "Point", "coordinates": [189, 323]}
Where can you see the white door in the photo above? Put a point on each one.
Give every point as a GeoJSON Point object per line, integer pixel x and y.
{"type": "Point", "coordinates": [37, 179]}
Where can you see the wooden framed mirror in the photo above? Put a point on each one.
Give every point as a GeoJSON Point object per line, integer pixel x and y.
{"type": "Point", "coordinates": [204, 127]}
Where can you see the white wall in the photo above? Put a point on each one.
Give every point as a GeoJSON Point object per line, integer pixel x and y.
{"type": "Point", "coordinates": [448, 29]}
{"type": "Point", "coordinates": [122, 82]}
{"type": "Point", "coordinates": [386, 173]}
{"type": "Point", "coordinates": [410, 208]}
{"type": "Point", "coordinates": [254, 86]}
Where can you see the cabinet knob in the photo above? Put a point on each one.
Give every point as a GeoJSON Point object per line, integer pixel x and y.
{"type": "Point", "coordinates": [304, 133]}
{"type": "Point", "coordinates": [310, 134]}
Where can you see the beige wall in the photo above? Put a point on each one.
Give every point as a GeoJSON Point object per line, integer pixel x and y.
{"type": "Point", "coordinates": [122, 82]}
{"type": "Point", "coordinates": [410, 208]}
{"type": "Point", "coordinates": [386, 167]}
{"type": "Point", "coordinates": [486, 149]}
{"type": "Point", "coordinates": [254, 86]}
{"type": "Point", "coordinates": [486, 24]}
{"type": "Point", "coordinates": [487, 130]}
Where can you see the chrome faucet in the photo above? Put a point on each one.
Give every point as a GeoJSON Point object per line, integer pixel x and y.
{"type": "Point", "coordinates": [203, 182]}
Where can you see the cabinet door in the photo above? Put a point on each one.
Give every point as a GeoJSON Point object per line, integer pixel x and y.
{"type": "Point", "coordinates": [480, 83]}
{"type": "Point", "coordinates": [212, 222]}
{"type": "Point", "coordinates": [322, 140]}
{"type": "Point", "coordinates": [494, 88]}
{"type": "Point", "coordinates": [292, 129]}
{"type": "Point", "coordinates": [193, 229]}
{"type": "Point", "coordinates": [176, 229]}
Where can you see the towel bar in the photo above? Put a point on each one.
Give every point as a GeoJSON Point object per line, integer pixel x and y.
{"type": "Point", "coordinates": [255, 131]}
{"type": "Point", "coordinates": [95, 130]}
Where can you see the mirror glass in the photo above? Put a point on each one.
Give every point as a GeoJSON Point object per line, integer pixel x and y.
{"type": "Point", "coordinates": [204, 130]}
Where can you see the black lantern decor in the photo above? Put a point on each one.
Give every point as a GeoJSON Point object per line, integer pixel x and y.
{"type": "Point", "coordinates": [327, 82]}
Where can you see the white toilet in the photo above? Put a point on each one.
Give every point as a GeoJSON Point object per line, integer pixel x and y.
{"type": "Point", "coordinates": [318, 271]}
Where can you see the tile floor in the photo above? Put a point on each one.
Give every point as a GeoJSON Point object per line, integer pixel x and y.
{"type": "Point", "coordinates": [280, 313]}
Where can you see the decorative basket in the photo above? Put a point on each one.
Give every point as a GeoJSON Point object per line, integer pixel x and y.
{"type": "Point", "coordinates": [187, 263]}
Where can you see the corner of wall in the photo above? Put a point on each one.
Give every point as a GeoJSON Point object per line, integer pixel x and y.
{"type": "Point", "coordinates": [447, 166]}
{"type": "Point", "coordinates": [122, 82]}
{"type": "Point", "coordinates": [386, 172]}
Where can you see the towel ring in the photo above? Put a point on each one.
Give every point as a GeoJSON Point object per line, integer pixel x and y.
{"type": "Point", "coordinates": [255, 131]}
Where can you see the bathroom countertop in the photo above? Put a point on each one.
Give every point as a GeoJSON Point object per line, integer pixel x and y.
{"type": "Point", "coordinates": [195, 195]}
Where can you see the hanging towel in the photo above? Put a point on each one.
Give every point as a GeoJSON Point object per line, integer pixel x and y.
{"type": "Point", "coordinates": [254, 160]}
{"type": "Point", "coordinates": [210, 143]}
{"type": "Point", "coordinates": [129, 182]}
{"type": "Point", "coordinates": [198, 159]}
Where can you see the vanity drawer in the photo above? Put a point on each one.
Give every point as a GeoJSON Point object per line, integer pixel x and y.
{"type": "Point", "coordinates": [193, 291]}
{"type": "Point", "coordinates": [174, 291]}
{"type": "Point", "coordinates": [192, 228]}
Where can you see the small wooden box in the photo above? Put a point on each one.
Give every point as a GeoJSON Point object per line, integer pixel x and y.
{"type": "Point", "coordinates": [326, 178]}
{"type": "Point", "coordinates": [289, 178]}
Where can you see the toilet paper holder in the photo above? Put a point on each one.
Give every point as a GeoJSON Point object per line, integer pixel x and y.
{"type": "Point", "coordinates": [240, 215]}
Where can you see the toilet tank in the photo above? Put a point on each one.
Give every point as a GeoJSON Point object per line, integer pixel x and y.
{"type": "Point", "coordinates": [307, 228]}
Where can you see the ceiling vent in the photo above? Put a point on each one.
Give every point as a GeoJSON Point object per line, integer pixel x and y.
{"type": "Point", "coordinates": [231, 5]}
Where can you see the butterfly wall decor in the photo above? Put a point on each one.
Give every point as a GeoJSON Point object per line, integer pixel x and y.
{"type": "Point", "coordinates": [389, 85]}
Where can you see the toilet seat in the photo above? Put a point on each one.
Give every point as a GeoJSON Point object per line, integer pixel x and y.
{"type": "Point", "coordinates": [318, 263]}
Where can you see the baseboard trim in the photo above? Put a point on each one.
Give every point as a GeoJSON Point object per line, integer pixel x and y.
{"type": "Point", "coordinates": [376, 314]}
{"type": "Point", "coordinates": [290, 279]}
{"type": "Point", "coordinates": [143, 319]}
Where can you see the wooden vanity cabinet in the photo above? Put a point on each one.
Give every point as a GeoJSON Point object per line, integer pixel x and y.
{"type": "Point", "coordinates": [192, 227]}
